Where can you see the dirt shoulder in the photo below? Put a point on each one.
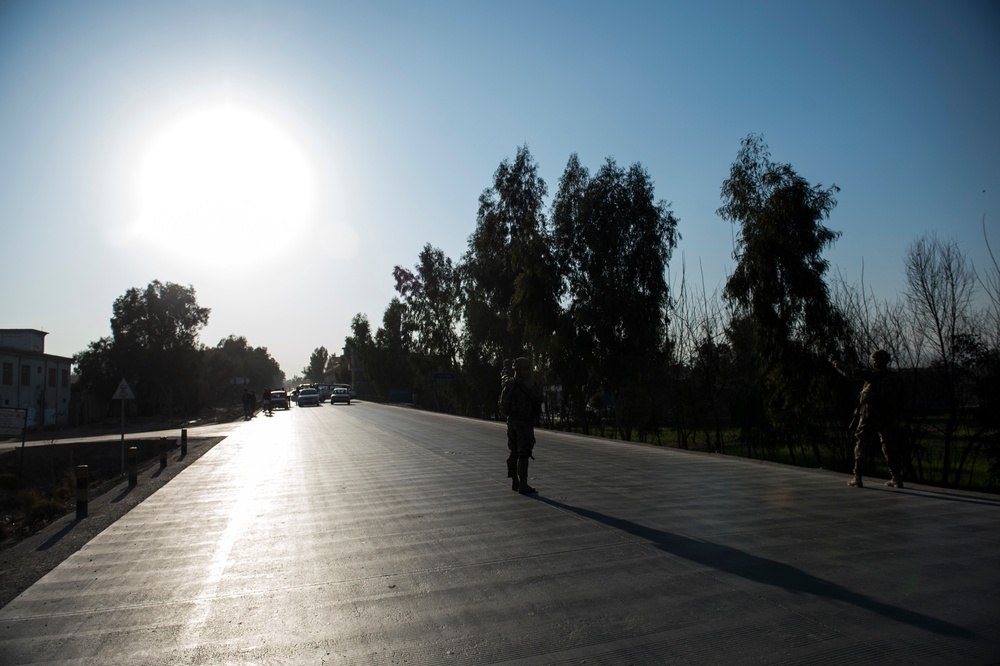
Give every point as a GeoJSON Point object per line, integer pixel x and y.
{"type": "Point", "coordinates": [24, 562]}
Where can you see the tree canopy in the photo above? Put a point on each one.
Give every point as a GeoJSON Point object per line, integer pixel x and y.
{"type": "Point", "coordinates": [153, 345]}
{"type": "Point", "coordinates": [779, 288]}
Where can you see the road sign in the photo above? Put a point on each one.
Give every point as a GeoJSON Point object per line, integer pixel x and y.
{"type": "Point", "coordinates": [123, 392]}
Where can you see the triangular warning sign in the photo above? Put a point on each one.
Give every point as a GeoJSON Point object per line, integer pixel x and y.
{"type": "Point", "coordinates": [123, 392]}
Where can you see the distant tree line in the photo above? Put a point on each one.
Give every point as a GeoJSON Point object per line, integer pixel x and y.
{"type": "Point", "coordinates": [580, 287]}
{"type": "Point", "coordinates": [154, 347]}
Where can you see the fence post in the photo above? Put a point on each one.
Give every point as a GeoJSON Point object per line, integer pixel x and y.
{"type": "Point", "coordinates": [184, 442]}
{"type": "Point", "coordinates": [163, 452]}
{"type": "Point", "coordinates": [81, 492]}
{"type": "Point", "coordinates": [133, 467]}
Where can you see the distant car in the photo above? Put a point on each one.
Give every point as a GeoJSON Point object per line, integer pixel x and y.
{"type": "Point", "coordinates": [279, 399]}
{"type": "Point", "coordinates": [340, 395]}
{"type": "Point", "coordinates": [308, 396]}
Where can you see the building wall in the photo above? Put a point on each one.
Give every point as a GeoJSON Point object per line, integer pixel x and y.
{"type": "Point", "coordinates": [32, 379]}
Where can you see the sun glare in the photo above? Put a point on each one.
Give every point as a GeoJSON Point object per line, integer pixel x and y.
{"type": "Point", "coordinates": [223, 186]}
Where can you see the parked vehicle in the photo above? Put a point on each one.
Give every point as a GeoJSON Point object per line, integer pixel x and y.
{"type": "Point", "coordinates": [340, 395]}
{"type": "Point", "coordinates": [279, 400]}
{"type": "Point", "coordinates": [308, 396]}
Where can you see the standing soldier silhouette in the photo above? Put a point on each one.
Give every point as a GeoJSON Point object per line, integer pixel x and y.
{"type": "Point", "coordinates": [520, 403]}
{"type": "Point", "coordinates": [875, 415]}
{"type": "Point", "coordinates": [507, 375]}
{"type": "Point", "coordinates": [247, 405]}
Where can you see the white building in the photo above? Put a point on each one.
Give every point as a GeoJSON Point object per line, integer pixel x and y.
{"type": "Point", "coordinates": [33, 380]}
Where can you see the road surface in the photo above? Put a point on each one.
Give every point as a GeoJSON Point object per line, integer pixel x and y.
{"type": "Point", "coordinates": [368, 534]}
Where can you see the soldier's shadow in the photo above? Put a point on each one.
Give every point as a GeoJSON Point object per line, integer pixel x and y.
{"type": "Point", "coordinates": [761, 570]}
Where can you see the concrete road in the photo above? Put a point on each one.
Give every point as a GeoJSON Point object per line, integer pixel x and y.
{"type": "Point", "coordinates": [366, 534]}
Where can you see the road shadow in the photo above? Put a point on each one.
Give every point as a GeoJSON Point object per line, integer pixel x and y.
{"type": "Point", "coordinates": [57, 537]}
{"type": "Point", "coordinates": [950, 496]}
{"type": "Point", "coordinates": [761, 570]}
{"type": "Point", "coordinates": [126, 491]}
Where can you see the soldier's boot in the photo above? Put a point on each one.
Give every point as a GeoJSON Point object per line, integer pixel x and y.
{"type": "Point", "coordinates": [512, 473]}
{"type": "Point", "coordinates": [856, 481]}
{"type": "Point", "coordinates": [522, 477]}
{"type": "Point", "coordinates": [894, 482]}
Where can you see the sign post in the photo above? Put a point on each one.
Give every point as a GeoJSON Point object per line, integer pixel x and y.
{"type": "Point", "coordinates": [123, 393]}
{"type": "Point", "coordinates": [12, 423]}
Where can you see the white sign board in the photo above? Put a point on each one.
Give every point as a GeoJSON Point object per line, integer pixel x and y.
{"type": "Point", "coordinates": [12, 422]}
{"type": "Point", "coordinates": [123, 392]}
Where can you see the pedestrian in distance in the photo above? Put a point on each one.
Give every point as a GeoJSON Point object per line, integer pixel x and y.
{"type": "Point", "coordinates": [875, 416]}
{"type": "Point", "coordinates": [520, 403]}
{"type": "Point", "coordinates": [247, 405]}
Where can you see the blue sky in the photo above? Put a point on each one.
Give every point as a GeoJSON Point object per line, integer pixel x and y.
{"type": "Point", "coordinates": [391, 117]}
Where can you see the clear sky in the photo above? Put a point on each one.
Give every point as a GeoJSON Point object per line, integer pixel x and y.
{"type": "Point", "coordinates": [282, 157]}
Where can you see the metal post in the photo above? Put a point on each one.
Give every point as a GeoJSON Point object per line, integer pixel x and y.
{"type": "Point", "coordinates": [184, 442]}
{"type": "Point", "coordinates": [133, 467]}
{"type": "Point", "coordinates": [163, 452]}
{"type": "Point", "coordinates": [81, 492]}
{"type": "Point", "coordinates": [123, 434]}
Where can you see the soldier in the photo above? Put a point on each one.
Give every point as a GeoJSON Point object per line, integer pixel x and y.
{"type": "Point", "coordinates": [507, 375]}
{"type": "Point", "coordinates": [247, 405]}
{"type": "Point", "coordinates": [875, 415]}
{"type": "Point", "coordinates": [520, 403]}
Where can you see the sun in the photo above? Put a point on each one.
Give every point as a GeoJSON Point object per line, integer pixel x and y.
{"type": "Point", "coordinates": [223, 186]}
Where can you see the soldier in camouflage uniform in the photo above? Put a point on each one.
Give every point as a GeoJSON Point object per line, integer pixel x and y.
{"type": "Point", "coordinates": [506, 375]}
{"type": "Point", "coordinates": [875, 415]}
{"type": "Point", "coordinates": [520, 403]}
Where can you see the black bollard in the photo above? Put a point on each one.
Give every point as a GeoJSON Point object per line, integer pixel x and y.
{"type": "Point", "coordinates": [133, 467]}
{"type": "Point", "coordinates": [163, 452]}
{"type": "Point", "coordinates": [81, 492]}
{"type": "Point", "coordinates": [184, 442]}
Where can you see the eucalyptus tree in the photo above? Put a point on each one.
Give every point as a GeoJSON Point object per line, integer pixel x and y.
{"type": "Point", "coordinates": [360, 340]}
{"type": "Point", "coordinates": [431, 295]}
{"type": "Point", "coordinates": [779, 285]}
{"type": "Point", "coordinates": [315, 372]}
{"type": "Point", "coordinates": [574, 352]}
{"type": "Point", "coordinates": [508, 276]}
{"type": "Point", "coordinates": [612, 243]}
{"type": "Point", "coordinates": [390, 368]}
{"type": "Point", "coordinates": [359, 348]}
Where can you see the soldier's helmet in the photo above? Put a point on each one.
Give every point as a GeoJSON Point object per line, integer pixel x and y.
{"type": "Point", "coordinates": [521, 363]}
{"type": "Point", "coordinates": [880, 358]}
